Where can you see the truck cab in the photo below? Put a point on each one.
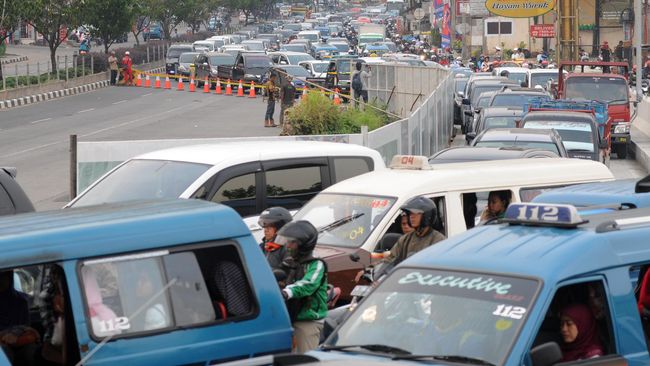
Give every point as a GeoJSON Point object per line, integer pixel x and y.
{"type": "Point", "coordinates": [500, 294]}
{"type": "Point", "coordinates": [608, 87]}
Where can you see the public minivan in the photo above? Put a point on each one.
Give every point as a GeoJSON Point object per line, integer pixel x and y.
{"type": "Point", "coordinates": [512, 294]}
{"type": "Point", "coordinates": [357, 214]}
{"type": "Point", "coordinates": [172, 282]}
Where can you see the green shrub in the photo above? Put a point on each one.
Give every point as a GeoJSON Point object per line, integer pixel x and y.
{"type": "Point", "coordinates": [3, 49]}
{"type": "Point", "coordinates": [352, 119]}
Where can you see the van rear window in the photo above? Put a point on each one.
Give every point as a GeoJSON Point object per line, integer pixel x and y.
{"type": "Point", "coordinates": [164, 290]}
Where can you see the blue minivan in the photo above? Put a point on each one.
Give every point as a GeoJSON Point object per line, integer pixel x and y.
{"type": "Point", "coordinates": [177, 282]}
{"type": "Point", "coordinates": [500, 295]}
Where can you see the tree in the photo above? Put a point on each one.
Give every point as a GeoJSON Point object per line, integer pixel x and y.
{"type": "Point", "coordinates": [196, 13]}
{"type": "Point", "coordinates": [109, 26]}
{"type": "Point", "coordinates": [168, 12]}
{"type": "Point", "coordinates": [9, 18]}
{"type": "Point", "coordinates": [141, 23]}
{"type": "Point", "coordinates": [52, 19]}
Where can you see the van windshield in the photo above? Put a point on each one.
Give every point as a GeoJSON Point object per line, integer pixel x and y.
{"type": "Point", "coordinates": [604, 89]}
{"type": "Point", "coordinates": [143, 179]}
{"type": "Point", "coordinates": [542, 79]}
{"type": "Point", "coordinates": [175, 52]}
{"type": "Point", "coordinates": [345, 220]}
{"type": "Point", "coordinates": [420, 311]}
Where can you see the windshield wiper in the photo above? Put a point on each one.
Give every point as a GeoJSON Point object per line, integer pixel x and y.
{"type": "Point", "coordinates": [340, 222]}
{"type": "Point", "coordinates": [370, 347]}
{"type": "Point", "coordinates": [450, 358]}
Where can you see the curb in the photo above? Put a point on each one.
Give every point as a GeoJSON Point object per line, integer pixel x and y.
{"type": "Point", "coordinates": [11, 103]}
{"type": "Point", "coordinates": [13, 60]}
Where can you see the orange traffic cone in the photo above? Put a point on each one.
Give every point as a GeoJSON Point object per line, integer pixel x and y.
{"type": "Point", "coordinates": [217, 89]}
{"type": "Point", "coordinates": [228, 88]}
{"type": "Point", "coordinates": [337, 98]}
{"type": "Point", "coordinates": [251, 92]}
{"type": "Point", "coordinates": [304, 92]}
{"type": "Point", "coordinates": [240, 89]}
{"type": "Point", "coordinates": [192, 85]}
{"type": "Point", "coordinates": [168, 83]}
{"type": "Point", "coordinates": [157, 84]}
{"type": "Point", "coordinates": [139, 80]}
{"type": "Point", "coordinates": [206, 85]}
{"type": "Point", "coordinates": [147, 82]}
{"type": "Point", "coordinates": [180, 83]}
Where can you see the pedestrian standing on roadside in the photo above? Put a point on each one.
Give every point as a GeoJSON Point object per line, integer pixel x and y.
{"type": "Point", "coordinates": [112, 64]}
{"type": "Point", "coordinates": [271, 90]}
{"type": "Point", "coordinates": [127, 64]}
{"type": "Point", "coordinates": [287, 97]}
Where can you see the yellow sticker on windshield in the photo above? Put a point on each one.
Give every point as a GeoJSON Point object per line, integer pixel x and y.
{"type": "Point", "coordinates": [370, 314]}
{"type": "Point", "coordinates": [503, 324]}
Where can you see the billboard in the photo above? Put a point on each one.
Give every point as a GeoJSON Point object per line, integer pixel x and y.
{"type": "Point", "coordinates": [519, 8]}
{"type": "Point", "coordinates": [542, 30]}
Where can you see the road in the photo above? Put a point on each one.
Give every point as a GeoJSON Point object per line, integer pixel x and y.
{"type": "Point", "coordinates": [35, 138]}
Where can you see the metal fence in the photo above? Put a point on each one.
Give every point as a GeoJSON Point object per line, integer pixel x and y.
{"type": "Point", "coordinates": [425, 131]}
{"type": "Point", "coordinates": [403, 88]}
{"type": "Point", "coordinates": [23, 74]}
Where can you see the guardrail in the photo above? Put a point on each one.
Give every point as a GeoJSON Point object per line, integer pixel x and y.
{"type": "Point", "coordinates": [425, 131]}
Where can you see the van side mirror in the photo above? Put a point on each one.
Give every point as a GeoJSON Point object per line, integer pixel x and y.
{"type": "Point", "coordinates": [469, 113]}
{"type": "Point", "coordinates": [470, 136]}
{"type": "Point", "coordinates": [546, 354]}
{"type": "Point", "coordinates": [465, 101]}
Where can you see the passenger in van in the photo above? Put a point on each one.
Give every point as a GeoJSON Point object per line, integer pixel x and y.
{"type": "Point", "coordinates": [155, 317]}
{"type": "Point", "coordinates": [579, 331]}
{"type": "Point", "coordinates": [272, 220]}
{"type": "Point", "coordinates": [97, 310]}
{"type": "Point", "coordinates": [17, 339]}
{"type": "Point", "coordinates": [469, 209]}
{"type": "Point", "coordinates": [404, 223]}
{"type": "Point", "coordinates": [51, 302]}
{"type": "Point", "coordinates": [498, 202]}
{"type": "Point", "coordinates": [422, 214]}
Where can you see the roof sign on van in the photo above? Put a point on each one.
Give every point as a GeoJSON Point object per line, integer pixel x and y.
{"type": "Point", "coordinates": [412, 162]}
{"type": "Point", "coordinates": [543, 215]}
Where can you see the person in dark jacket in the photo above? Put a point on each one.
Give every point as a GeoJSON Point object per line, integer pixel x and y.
{"type": "Point", "coordinates": [272, 220]}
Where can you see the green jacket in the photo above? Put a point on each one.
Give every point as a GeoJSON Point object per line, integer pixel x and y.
{"type": "Point", "coordinates": [312, 287]}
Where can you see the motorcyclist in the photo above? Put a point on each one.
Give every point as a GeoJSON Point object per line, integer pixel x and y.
{"type": "Point", "coordinates": [422, 215]}
{"type": "Point", "coordinates": [272, 220]}
{"type": "Point", "coordinates": [306, 294]}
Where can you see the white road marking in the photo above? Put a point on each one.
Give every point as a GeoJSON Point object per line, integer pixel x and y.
{"type": "Point", "coordinates": [146, 95]}
{"type": "Point", "coordinates": [92, 133]}
{"type": "Point", "coordinates": [120, 102]}
{"type": "Point", "coordinates": [41, 120]}
{"type": "Point", "coordinates": [87, 110]}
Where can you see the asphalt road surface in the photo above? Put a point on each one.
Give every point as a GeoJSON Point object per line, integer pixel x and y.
{"type": "Point", "coordinates": [35, 138]}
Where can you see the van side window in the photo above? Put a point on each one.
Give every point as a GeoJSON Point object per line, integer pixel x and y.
{"type": "Point", "coordinates": [400, 225]}
{"type": "Point", "coordinates": [587, 303]}
{"type": "Point", "coordinates": [238, 193]}
{"type": "Point", "coordinates": [528, 194]}
{"type": "Point", "coordinates": [293, 187]}
{"type": "Point", "coordinates": [345, 168]}
{"type": "Point", "coordinates": [474, 203]}
{"type": "Point", "coordinates": [158, 291]}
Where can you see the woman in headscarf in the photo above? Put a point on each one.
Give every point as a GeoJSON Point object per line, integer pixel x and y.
{"type": "Point", "coordinates": [579, 332]}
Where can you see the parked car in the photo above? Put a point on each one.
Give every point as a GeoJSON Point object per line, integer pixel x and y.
{"type": "Point", "coordinates": [203, 46]}
{"type": "Point", "coordinates": [494, 117]}
{"type": "Point", "coordinates": [289, 58]}
{"type": "Point", "coordinates": [13, 200]}
{"type": "Point", "coordinates": [257, 44]}
{"type": "Point", "coordinates": [249, 66]}
{"type": "Point", "coordinates": [298, 75]}
{"type": "Point", "coordinates": [173, 53]}
{"type": "Point", "coordinates": [517, 97]}
{"type": "Point", "coordinates": [317, 69]}
{"type": "Point", "coordinates": [185, 62]}
{"type": "Point", "coordinates": [207, 65]}
{"type": "Point", "coordinates": [532, 138]}
{"type": "Point", "coordinates": [295, 47]}
{"type": "Point", "coordinates": [153, 31]}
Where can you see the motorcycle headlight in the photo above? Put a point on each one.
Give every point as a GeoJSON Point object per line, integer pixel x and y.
{"type": "Point", "coordinates": [622, 128]}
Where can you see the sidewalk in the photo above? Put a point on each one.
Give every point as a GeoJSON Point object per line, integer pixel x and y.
{"type": "Point", "coordinates": [641, 135]}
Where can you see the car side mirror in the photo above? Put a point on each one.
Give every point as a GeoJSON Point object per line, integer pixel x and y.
{"type": "Point", "coordinates": [469, 113]}
{"type": "Point", "coordinates": [470, 136]}
{"type": "Point", "coordinates": [546, 354]}
{"type": "Point", "coordinates": [477, 110]}
{"type": "Point", "coordinates": [465, 101]}
{"type": "Point", "coordinates": [354, 257]}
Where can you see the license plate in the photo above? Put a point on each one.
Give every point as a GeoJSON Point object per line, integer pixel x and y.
{"type": "Point", "coordinates": [360, 290]}
{"type": "Point", "coordinates": [622, 139]}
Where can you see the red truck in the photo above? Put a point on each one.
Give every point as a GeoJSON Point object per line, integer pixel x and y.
{"type": "Point", "coordinates": [604, 82]}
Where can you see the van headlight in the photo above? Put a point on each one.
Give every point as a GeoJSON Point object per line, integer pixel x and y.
{"type": "Point", "coordinates": [622, 128]}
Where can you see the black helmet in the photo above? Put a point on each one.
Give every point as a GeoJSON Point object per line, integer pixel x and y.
{"type": "Point", "coordinates": [302, 232]}
{"type": "Point", "coordinates": [504, 73]}
{"type": "Point", "coordinates": [422, 205]}
{"type": "Point", "coordinates": [275, 216]}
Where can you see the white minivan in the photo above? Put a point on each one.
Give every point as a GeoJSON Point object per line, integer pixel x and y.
{"type": "Point", "coordinates": [357, 217]}
{"type": "Point", "coordinates": [247, 176]}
